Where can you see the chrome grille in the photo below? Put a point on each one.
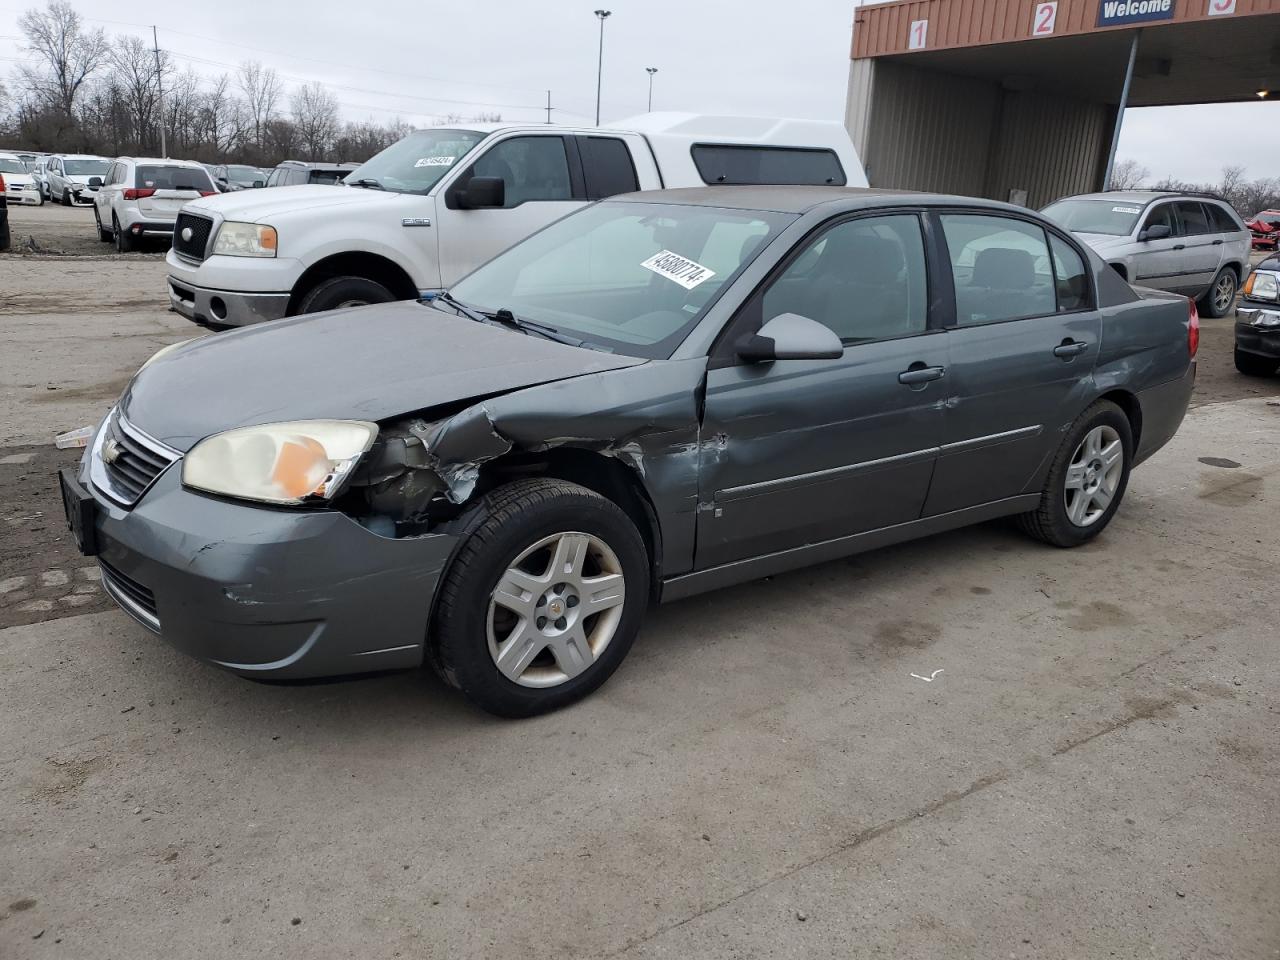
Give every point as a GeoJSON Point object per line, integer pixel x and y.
{"type": "Point", "coordinates": [135, 599]}
{"type": "Point", "coordinates": [195, 247]}
{"type": "Point", "coordinates": [125, 461]}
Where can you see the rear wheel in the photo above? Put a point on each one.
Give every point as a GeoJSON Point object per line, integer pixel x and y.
{"type": "Point", "coordinates": [543, 599]}
{"type": "Point", "coordinates": [1221, 296]}
{"type": "Point", "coordinates": [124, 242]}
{"type": "Point", "coordinates": [1087, 479]}
{"type": "Point", "coordinates": [339, 293]}
{"type": "Point", "coordinates": [1252, 365]}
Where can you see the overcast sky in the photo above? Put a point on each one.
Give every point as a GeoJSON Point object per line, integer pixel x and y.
{"type": "Point", "coordinates": [415, 60]}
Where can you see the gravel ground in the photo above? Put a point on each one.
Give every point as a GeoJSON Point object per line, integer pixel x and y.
{"type": "Point", "coordinates": [55, 230]}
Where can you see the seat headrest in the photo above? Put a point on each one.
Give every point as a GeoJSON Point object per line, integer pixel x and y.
{"type": "Point", "coordinates": [1004, 268]}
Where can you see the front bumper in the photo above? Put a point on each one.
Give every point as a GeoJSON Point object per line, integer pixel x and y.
{"type": "Point", "coordinates": [230, 308]}
{"type": "Point", "coordinates": [82, 195]}
{"type": "Point", "coordinates": [25, 197]}
{"type": "Point", "coordinates": [267, 593]}
{"type": "Point", "coordinates": [1261, 341]}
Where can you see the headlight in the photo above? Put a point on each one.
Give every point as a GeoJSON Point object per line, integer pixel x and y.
{"type": "Point", "coordinates": [245, 240]}
{"type": "Point", "coordinates": [1262, 286]}
{"type": "Point", "coordinates": [1265, 318]}
{"type": "Point", "coordinates": [279, 462]}
{"type": "Point", "coordinates": [162, 351]}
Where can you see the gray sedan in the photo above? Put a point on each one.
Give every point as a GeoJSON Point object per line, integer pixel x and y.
{"type": "Point", "coordinates": [659, 395]}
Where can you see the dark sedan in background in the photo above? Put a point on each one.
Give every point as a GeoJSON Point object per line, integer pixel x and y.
{"type": "Point", "coordinates": [659, 395]}
{"type": "Point", "coordinates": [1258, 321]}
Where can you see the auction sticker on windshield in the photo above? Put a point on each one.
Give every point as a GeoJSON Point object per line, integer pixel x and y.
{"type": "Point", "coordinates": [435, 162]}
{"type": "Point", "coordinates": [679, 269]}
{"type": "Point", "coordinates": [1126, 209]}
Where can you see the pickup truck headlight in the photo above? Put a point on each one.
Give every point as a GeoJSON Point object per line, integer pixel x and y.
{"type": "Point", "coordinates": [1262, 285]}
{"type": "Point", "coordinates": [245, 240]}
{"type": "Point", "coordinates": [288, 463]}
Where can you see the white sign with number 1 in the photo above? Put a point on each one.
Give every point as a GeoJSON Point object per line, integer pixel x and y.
{"type": "Point", "coordinates": [1046, 19]}
{"type": "Point", "coordinates": [919, 35]}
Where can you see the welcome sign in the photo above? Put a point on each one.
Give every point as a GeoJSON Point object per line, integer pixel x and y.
{"type": "Point", "coordinates": [1113, 13]}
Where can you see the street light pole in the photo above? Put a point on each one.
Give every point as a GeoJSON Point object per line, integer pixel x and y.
{"type": "Point", "coordinates": [601, 15]}
{"type": "Point", "coordinates": [651, 71]}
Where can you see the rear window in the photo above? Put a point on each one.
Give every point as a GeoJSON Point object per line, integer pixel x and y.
{"type": "Point", "coordinates": [326, 176]}
{"type": "Point", "coordinates": [607, 166]}
{"type": "Point", "coordinates": [745, 164]}
{"type": "Point", "coordinates": [172, 178]}
{"type": "Point", "coordinates": [1194, 221]}
{"type": "Point", "coordinates": [1222, 220]}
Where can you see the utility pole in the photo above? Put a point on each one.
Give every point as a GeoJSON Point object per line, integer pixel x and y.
{"type": "Point", "coordinates": [601, 15]}
{"type": "Point", "coordinates": [155, 39]}
{"type": "Point", "coordinates": [548, 106]}
{"type": "Point", "coordinates": [651, 71]}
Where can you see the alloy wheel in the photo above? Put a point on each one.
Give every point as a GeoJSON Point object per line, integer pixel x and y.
{"type": "Point", "coordinates": [555, 609]}
{"type": "Point", "coordinates": [1224, 292]}
{"type": "Point", "coordinates": [1094, 475]}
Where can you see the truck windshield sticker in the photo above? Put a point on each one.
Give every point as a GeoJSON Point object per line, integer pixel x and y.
{"type": "Point", "coordinates": [679, 269]}
{"type": "Point", "coordinates": [1126, 209]}
{"type": "Point", "coordinates": [435, 162]}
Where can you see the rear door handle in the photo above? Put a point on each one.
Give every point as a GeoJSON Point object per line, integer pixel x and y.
{"type": "Point", "coordinates": [1181, 246]}
{"type": "Point", "coordinates": [918, 373]}
{"type": "Point", "coordinates": [1217, 243]}
{"type": "Point", "coordinates": [1070, 348]}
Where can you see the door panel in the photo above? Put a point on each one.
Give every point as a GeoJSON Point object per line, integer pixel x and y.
{"type": "Point", "coordinates": [1202, 256]}
{"type": "Point", "coordinates": [1157, 263]}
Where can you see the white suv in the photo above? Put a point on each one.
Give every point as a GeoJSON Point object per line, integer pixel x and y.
{"type": "Point", "coordinates": [21, 187]}
{"type": "Point", "coordinates": [141, 197]}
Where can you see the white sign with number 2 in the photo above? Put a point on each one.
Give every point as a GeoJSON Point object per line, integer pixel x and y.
{"type": "Point", "coordinates": [1046, 19]}
{"type": "Point", "coordinates": [919, 35]}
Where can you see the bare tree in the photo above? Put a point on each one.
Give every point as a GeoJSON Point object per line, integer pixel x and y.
{"type": "Point", "coordinates": [133, 74]}
{"type": "Point", "coordinates": [262, 92]}
{"type": "Point", "coordinates": [1128, 175]}
{"type": "Point", "coordinates": [68, 53]}
{"type": "Point", "coordinates": [315, 116]}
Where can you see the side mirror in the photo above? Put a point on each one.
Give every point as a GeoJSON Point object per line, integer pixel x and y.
{"type": "Point", "coordinates": [95, 181]}
{"type": "Point", "coordinates": [790, 336]}
{"type": "Point", "coordinates": [1157, 232]}
{"type": "Point", "coordinates": [483, 192]}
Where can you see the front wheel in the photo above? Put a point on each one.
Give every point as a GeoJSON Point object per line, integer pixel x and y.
{"type": "Point", "coordinates": [66, 198]}
{"type": "Point", "coordinates": [1221, 296]}
{"type": "Point", "coordinates": [1252, 365]}
{"type": "Point", "coordinates": [543, 599]}
{"type": "Point", "coordinates": [339, 293]}
{"type": "Point", "coordinates": [1087, 479]}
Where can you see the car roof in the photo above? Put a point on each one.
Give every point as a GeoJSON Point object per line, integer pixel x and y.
{"type": "Point", "coordinates": [78, 156]}
{"type": "Point", "coordinates": [315, 165]}
{"type": "Point", "coordinates": [157, 161]}
{"type": "Point", "coordinates": [1142, 196]}
{"type": "Point", "coordinates": [801, 199]}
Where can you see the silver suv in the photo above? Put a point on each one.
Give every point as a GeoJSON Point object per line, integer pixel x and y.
{"type": "Point", "coordinates": [75, 178]}
{"type": "Point", "coordinates": [1193, 245]}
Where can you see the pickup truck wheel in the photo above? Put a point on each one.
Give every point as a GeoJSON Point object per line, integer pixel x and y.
{"type": "Point", "coordinates": [103, 235]}
{"type": "Point", "coordinates": [124, 242]}
{"type": "Point", "coordinates": [1252, 365]}
{"type": "Point", "coordinates": [338, 293]}
{"type": "Point", "coordinates": [1221, 296]}
{"type": "Point", "coordinates": [1087, 479]}
{"type": "Point", "coordinates": [542, 600]}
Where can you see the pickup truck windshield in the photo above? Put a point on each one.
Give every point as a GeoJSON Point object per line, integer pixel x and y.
{"type": "Point", "coordinates": [416, 163]}
{"type": "Point", "coordinates": [633, 278]}
{"type": "Point", "coordinates": [1116, 218]}
{"type": "Point", "coordinates": [85, 168]}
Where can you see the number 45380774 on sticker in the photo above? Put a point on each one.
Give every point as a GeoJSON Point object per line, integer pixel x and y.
{"type": "Point", "coordinates": [678, 269]}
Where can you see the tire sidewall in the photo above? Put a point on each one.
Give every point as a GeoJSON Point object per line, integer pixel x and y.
{"type": "Point", "coordinates": [331, 293]}
{"type": "Point", "coordinates": [463, 625]}
{"type": "Point", "coordinates": [1104, 413]}
{"type": "Point", "coordinates": [1208, 306]}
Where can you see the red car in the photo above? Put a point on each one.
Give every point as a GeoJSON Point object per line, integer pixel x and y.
{"type": "Point", "coordinates": [1265, 228]}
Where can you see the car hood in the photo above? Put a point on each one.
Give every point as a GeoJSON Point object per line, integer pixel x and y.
{"type": "Point", "coordinates": [1103, 241]}
{"type": "Point", "coordinates": [17, 177]}
{"type": "Point", "coordinates": [262, 206]}
{"type": "Point", "coordinates": [368, 363]}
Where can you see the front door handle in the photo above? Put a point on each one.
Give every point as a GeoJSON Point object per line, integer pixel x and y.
{"type": "Point", "coordinates": [1181, 246]}
{"type": "Point", "coordinates": [1070, 348]}
{"type": "Point", "coordinates": [918, 373]}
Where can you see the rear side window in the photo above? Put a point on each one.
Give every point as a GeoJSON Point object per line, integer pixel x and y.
{"type": "Point", "coordinates": [276, 176]}
{"type": "Point", "coordinates": [1001, 268]}
{"type": "Point", "coordinates": [1069, 276]}
{"type": "Point", "coordinates": [1194, 221]}
{"type": "Point", "coordinates": [607, 167]}
{"type": "Point", "coordinates": [171, 178]}
{"type": "Point", "coordinates": [1221, 219]}
{"type": "Point", "coordinates": [744, 164]}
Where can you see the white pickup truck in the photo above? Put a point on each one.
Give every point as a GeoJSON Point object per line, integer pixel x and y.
{"type": "Point", "coordinates": [440, 202]}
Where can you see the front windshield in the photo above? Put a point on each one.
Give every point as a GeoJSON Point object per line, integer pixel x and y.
{"type": "Point", "coordinates": [85, 168]}
{"type": "Point", "coordinates": [416, 163]}
{"type": "Point", "coordinates": [12, 166]}
{"type": "Point", "coordinates": [630, 277]}
{"type": "Point", "coordinates": [1115, 218]}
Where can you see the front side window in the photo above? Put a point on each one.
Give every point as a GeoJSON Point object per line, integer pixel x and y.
{"type": "Point", "coordinates": [865, 279]}
{"type": "Point", "coordinates": [1163, 216]}
{"type": "Point", "coordinates": [274, 179]}
{"type": "Point", "coordinates": [1194, 221]}
{"type": "Point", "coordinates": [747, 164]}
{"type": "Point", "coordinates": [629, 277]}
{"type": "Point", "coordinates": [533, 168]}
{"type": "Point", "coordinates": [1001, 268]}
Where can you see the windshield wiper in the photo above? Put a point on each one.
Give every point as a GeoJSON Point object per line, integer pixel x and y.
{"type": "Point", "coordinates": [509, 319]}
{"type": "Point", "coordinates": [367, 182]}
{"type": "Point", "coordinates": [462, 308]}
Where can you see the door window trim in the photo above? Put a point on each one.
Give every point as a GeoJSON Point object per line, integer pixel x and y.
{"type": "Point", "coordinates": [573, 161]}
{"type": "Point", "coordinates": [1049, 229]}
{"type": "Point", "coordinates": [749, 317]}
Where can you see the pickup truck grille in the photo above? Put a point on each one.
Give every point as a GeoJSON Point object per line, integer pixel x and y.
{"type": "Point", "coordinates": [191, 236]}
{"type": "Point", "coordinates": [129, 461]}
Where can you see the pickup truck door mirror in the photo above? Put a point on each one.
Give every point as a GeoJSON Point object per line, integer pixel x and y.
{"type": "Point", "coordinates": [95, 181]}
{"type": "Point", "coordinates": [482, 192]}
{"type": "Point", "coordinates": [1158, 231]}
{"type": "Point", "coordinates": [790, 336]}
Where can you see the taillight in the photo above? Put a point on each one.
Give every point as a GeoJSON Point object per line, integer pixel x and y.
{"type": "Point", "coordinates": [1193, 329]}
{"type": "Point", "coordinates": [133, 193]}
{"type": "Point", "coordinates": [1, 181]}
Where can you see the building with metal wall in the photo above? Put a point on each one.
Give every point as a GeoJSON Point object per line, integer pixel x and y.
{"type": "Point", "coordinates": [1019, 99]}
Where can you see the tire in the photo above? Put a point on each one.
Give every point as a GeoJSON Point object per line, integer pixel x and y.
{"type": "Point", "coordinates": [1221, 297]}
{"type": "Point", "coordinates": [66, 198]}
{"type": "Point", "coordinates": [103, 235]}
{"type": "Point", "coordinates": [5, 239]}
{"type": "Point", "coordinates": [1053, 521]}
{"type": "Point", "coordinates": [472, 629]}
{"type": "Point", "coordinates": [337, 293]}
{"type": "Point", "coordinates": [124, 242]}
{"type": "Point", "coordinates": [1252, 365]}
{"type": "Point", "coordinates": [39, 198]}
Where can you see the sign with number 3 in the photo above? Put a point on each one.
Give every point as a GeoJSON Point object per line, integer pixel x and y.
{"type": "Point", "coordinates": [919, 35]}
{"type": "Point", "coordinates": [1222, 8]}
{"type": "Point", "coordinates": [1045, 20]}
